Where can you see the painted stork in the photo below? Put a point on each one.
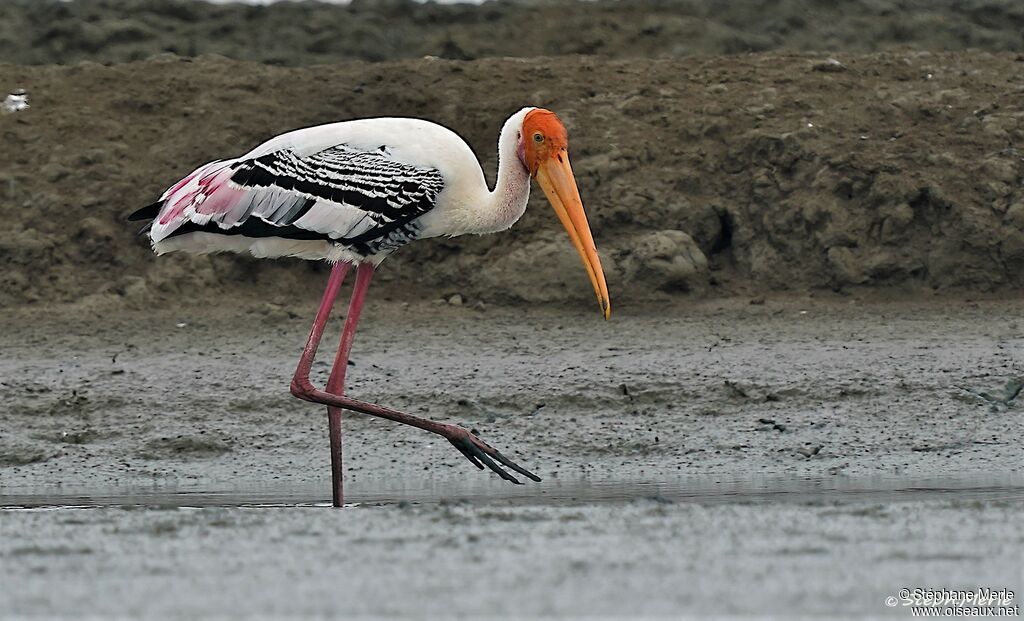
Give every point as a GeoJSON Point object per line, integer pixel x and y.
{"type": "Point", "coordinates": [353, 192]}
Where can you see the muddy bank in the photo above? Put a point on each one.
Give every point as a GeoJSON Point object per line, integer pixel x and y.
{"type": "Point", "coordinates": [702, 176]}
{"type": "Point", "coordinates": [303, 33]}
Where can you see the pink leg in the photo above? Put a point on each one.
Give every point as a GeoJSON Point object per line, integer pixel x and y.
{"type": "Point", "coordinates": [338, 272]}
{"type": "Point", "coordinates": [336, 382]}
{"type": "Point", "coordinates": [334, 282]}
{"type": "Point", "coordinates": [473, 448]}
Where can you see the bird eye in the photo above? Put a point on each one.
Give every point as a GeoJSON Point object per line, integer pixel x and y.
{"type": "Point", "coordinates": [538, 137]}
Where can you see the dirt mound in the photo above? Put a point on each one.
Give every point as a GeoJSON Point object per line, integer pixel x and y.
{"type": "Point", "coordinates": [51, 31]}
{"type": "Point", "coordinates": [707, 175]}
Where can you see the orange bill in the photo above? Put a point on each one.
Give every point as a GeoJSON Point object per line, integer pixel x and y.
{"type": "Point", "coordinates": [556, 179]}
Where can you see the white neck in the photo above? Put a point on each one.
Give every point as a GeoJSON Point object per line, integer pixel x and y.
{"type": "Point", "coordinates": [507, 202]}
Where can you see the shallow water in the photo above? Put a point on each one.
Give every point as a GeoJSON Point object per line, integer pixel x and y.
{"type": "Point", "coordinates": [551, 493]}
{"type": "Point", "coordinates": [695, 547]}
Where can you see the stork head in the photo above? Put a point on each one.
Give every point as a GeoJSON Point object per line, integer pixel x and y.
{"type": "Point", "coordinates": [544, 151]}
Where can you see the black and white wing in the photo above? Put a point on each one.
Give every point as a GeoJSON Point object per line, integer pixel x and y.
{"type": "Point", "coordinates": [362, 200]}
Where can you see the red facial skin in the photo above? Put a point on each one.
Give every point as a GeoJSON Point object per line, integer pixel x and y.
{"type": "Point", "coordinates": [543, 137]}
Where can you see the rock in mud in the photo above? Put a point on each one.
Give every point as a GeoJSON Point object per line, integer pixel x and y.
{"type": "Point", "coordinates": [809, 451]}
{"type": "Point", "coordinates": [829, 65]}
{"type": "Point", "coordinates": [667, 261]}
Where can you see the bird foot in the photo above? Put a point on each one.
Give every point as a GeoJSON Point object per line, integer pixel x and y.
{"type": "Point", "coordinates": [481, 454]}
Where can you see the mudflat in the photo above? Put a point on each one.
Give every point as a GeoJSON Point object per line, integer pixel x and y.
{"type": "Point", "coordinates": [720, 456]}
{"type": "Point", "coordinates": [800, 387]}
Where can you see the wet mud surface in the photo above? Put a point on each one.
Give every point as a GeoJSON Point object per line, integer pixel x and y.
{"type": "Point", "coordinates": [628, 557]}
{"type": "Point", "coordinates": [719, 457]}
{"type": "Point", "coordinates": [811, 387]}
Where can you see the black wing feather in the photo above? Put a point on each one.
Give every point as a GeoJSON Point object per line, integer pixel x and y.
{"type": "Point", "coordinates": [146, 213]}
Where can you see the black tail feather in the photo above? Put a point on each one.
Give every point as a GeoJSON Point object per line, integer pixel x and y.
{"type": "Point", "coordinates": [146, 213]}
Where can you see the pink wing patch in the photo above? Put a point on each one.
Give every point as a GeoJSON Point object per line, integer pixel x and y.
{"type": "Point", "coordinates": [218, 195]}
{"type": "Point", "coordinates": [201, 195]}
